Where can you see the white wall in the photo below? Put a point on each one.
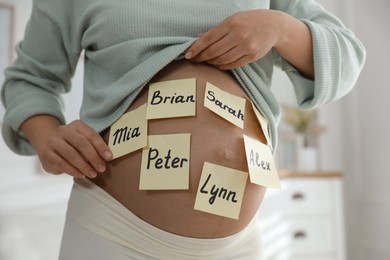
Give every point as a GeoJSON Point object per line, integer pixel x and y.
{"type": "Point", "coordinates": [22, 11]}
{"type": "Point", "coordinates": [22, 14]}
{"type": "Point", "coordinates": [357, 137]}
{"type": "Point", "coordinates": [367, 139]}
{"type": "Point", "coordinates": [32, 204]}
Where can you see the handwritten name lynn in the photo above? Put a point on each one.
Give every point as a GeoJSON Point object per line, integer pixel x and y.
{"type": "Point", "coordinates": [217, 192]}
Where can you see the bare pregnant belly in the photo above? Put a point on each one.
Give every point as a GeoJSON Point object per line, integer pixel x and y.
{"type": "Point", "coordinates": [213, 139]}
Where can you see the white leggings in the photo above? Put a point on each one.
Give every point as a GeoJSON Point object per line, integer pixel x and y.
{"type": "Point", "coordinates": [98, 227]}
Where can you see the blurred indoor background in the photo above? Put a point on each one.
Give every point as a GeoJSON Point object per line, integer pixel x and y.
{"type": "Point", "coordinates": [335, 209]}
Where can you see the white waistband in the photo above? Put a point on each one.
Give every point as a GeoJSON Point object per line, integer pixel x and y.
{"type": "Point", "coordinates": [100, 213]}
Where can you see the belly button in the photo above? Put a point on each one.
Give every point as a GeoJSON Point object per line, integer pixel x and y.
{"type": "Point", "coordinates": [225, 154]}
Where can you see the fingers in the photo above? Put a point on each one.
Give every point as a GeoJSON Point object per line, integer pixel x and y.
{"type": "Point", "coordinates": [205, 40]}
{"type": "Point", "coordinates": [240, 39]}
{"type": "Point", "coordinates": [89, 149]}
{"type": "Point", "coordinates": [225, 51]}
{"type": "Point", "coordinates": [77, 150]}
{"type": "Point", "coordinates": [95, 140]}
{"type": "Point", "coordinates": [234, 64]}
{"type": "Point", "coordinates": [219, 48]}
{"type": "Point", "coordinates": [53, 163]}
{"type": "Point", "coordinates": [227, 58]}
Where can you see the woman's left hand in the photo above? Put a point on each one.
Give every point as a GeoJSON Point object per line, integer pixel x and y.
{"type": "Point", "coordinates": [240, 39]}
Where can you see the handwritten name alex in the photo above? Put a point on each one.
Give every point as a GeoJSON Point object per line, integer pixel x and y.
{"type": "Point", "coordinates": [256, 160]}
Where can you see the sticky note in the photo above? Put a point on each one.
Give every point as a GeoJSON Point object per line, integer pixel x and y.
{"type": "Point", "coordinates": [129, 132]}
{"type": "Point", "coordinates": [165, 162]}
{"type": "Point", "coordinates": [226, 105]}
{"type": "Point", "coordinates": [173, 98]}
{"type": "Point", "coordinates": [221, 190]}
{"type": "Point", "coordinates": [264, 125]}
{"type": "Point", "coordinates": [261, 165]}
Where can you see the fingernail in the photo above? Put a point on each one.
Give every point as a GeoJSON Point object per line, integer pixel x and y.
{"type": "Point", "coordinates": [92, 174]}
{"type": "Point", "coordinates": [107, 155]}
{"type": "Point", "coordinates": [188, 55]}
{"type": "Point", "coordinates": [101, 168]}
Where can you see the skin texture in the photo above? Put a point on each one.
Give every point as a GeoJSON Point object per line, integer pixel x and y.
{"type": "Point", "coordinates": [213, 139]}
{"type": "Point", "coordinates": [79, 151]}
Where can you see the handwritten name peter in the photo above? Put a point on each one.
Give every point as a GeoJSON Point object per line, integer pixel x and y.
{"type": "Point", "coordinates": [165, 162]}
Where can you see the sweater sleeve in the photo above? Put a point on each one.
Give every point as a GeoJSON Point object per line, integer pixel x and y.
{"type": "Point", "coordinates": [41, 73]}
{"type": "Point", "coordinates": [338, 55]}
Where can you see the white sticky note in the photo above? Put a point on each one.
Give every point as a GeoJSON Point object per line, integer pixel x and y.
{"type": "Point", "coordinates": [221, 190]}
{"type": "Point", "coordinates": [129, 132]}
{"type": "Point", "coordinates": [224, 104]}
{"type": "Point", "coordinates": [173, 98]}
{"type": "Point", "coordinates": [165, 162]}
{"type": "Point", "coordinates": [263, 124]}
{"type": "Point", "coordinates": [261, 165]}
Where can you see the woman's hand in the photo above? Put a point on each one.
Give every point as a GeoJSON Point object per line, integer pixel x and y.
{"type": "Point", "coordinates": [75, 149]}
{"type": "Point", "coordinates": [248, 36]}
{"type": "Point", "coordinates": [240, 39]}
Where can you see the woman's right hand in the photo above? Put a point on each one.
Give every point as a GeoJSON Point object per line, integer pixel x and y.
{"type": "Point", "coordinates": [75, 149]}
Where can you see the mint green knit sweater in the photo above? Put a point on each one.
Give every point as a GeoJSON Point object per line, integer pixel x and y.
{"type": "Point", "coordinates": [127, 42]}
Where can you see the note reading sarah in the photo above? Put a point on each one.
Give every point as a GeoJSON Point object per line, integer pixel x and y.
{"type": "Point", "coordinates": [221, 190]}
{"type": "Point", "coordinates": [173, 98]}
{"type": "Point", "coordinates": [129, 132]}
{"type": "Point", "coordinates": [262, 170]}
{"type": "Point", "coordinates": [226, 105]}
{"type": "Point", "coordinates": [165, 162]}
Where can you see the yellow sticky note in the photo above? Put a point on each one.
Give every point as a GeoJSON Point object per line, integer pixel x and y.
{"type": "Point", "coordinates": [173, 98]}
{"type": "Point", "coordinates": [129, 132]}
{"type": "Point", "coordinates": [261, 165]}
{"type": "Point", "coordinates": [221, 190]}
{"type": "Point", "coordinates": [264, 125]}
{"type": "Point", "coordinates": [224, 104]}
{"type": "Point", "coordinates": [165, 162]}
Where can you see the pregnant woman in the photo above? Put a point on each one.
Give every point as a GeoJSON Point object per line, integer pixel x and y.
{"type": "Point", "coordinates": [127, 46]}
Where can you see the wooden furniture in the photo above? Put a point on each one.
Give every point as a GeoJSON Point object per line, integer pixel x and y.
{"type": "Point", "coordinates": [304, 220]}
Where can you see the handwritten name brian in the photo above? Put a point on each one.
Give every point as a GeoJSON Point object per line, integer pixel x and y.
{"type": "Point", "coordinates": [157, 99]}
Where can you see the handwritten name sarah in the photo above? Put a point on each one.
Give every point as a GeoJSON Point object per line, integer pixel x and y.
{"type": "Point", "coordinates": [211, 96]}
